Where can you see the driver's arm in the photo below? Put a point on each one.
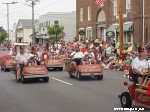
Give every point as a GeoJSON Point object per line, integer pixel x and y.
{"type": "Point", "coordinates": [31, 56]}
{"type": "Point", "coordinates": [135, 68]}
{"type": "Point", "coordinates": [72, 54]}
{"type": "Point", "coordinates": [136, 71]}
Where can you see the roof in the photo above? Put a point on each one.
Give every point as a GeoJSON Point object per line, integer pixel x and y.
{"type": "Point", "coordinates": [27, 23]}
{"type": "Point", "coordinates": [2, 30]}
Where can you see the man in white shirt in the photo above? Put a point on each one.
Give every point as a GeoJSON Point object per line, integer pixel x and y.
{"type": "Point", "coordinates": [138, 64]}
{"type": "Point", "coordinates": [22, 59]}
{"type": "Point", "coordinates": [89, 57]}
{"type": "Point", "coordinates": [34, 56]}
{"type": "Point", "coordinates": [76, 56]}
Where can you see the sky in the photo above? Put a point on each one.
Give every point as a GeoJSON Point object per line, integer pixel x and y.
{"type": "Point", "coordinates": [20, 11]}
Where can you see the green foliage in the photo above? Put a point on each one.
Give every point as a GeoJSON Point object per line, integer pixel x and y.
{"type": "Point", "coordinates": [55, 32]}
{"type": "Point", "coordinates": [3, 37]}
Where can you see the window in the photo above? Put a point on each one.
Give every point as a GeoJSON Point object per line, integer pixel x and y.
{"type": "Point", "coordinates": [56, 22]}
{"type": "Point", "coordinates": [128, 37]}
{"type": "Point", "coordinates": [49, 23]}
{"type": "Point", "coordinates": [115, 7]}
{"type": "Point", "coordinates": [89, 32]}
{"type": "Point", "coordinates": [128, 6]}
{"type": "Point", "coordinates": [89, 13]}
{"type": "Point", "coordinates": [81, 14]}
{"type": "Point", "coordinates": [46, 23]}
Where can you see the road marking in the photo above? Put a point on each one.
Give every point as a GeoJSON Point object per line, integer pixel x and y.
{"type": "Point", "coordinates": [62, 81]}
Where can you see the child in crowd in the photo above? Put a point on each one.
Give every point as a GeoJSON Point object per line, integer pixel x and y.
{"type": "Point", "coordinates": [118, 65]}
{"type": "Point", "coordinates": [127, 65]}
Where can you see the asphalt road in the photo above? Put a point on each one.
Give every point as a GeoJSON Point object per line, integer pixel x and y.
{"type": "Point", "coordinates": [62, 94]}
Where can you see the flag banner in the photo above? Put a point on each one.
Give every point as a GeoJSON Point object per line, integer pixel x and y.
{"type": "Point", "coordinates": [99, 2]}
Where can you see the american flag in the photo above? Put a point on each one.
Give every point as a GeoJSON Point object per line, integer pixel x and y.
{"type": "Point", "coordinates": [99, 2]}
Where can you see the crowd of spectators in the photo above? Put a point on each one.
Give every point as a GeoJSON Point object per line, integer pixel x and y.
{"type": "Point", "coordinates": [107, 53]}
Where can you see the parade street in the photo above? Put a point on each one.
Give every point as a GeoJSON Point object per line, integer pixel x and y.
{"type": "Point", "coordinates": [61, 94]}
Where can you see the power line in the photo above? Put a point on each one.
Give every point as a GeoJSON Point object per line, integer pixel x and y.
{"type": "Point", "coordinates": [12, 9]}
{"type": "Point", "coordinates": [50, 4]}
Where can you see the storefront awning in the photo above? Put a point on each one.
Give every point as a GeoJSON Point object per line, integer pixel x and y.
{"type": "Point", "coordinates": [128, 27]}
{"type": "Point", "coordinates": [110, 31]}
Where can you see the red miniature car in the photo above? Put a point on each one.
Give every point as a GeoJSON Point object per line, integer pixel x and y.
{"type": "Point", "coordinates": [7, 62]}
{"type": "Point", "coordinates": [34, 72]}
{"type": "Point", "coordinates": [54, 63]}
{"type": "Point", "coordinates": [51, 63]}
{"type": "Point", "coordinates": [92, 70]}
{"type": "Point", "coordinates": [135, 94]}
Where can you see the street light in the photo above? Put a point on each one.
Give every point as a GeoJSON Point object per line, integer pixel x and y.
{"type": "Point", "coordinates": [8, 15]}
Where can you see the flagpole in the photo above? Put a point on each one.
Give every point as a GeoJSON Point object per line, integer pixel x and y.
{"type": "Point", "coordinates": [120, 12]}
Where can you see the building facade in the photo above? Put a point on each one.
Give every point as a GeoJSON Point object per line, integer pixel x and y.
{"type": "Point", "coordinates": [24, 30]}
{"type": "Point", "coordinates": [65, 19]}
{"type": "Point", "coordinates": [102, 22]}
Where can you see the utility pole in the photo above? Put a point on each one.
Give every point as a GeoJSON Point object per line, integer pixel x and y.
{"type": "Point", "coordinates": [120, 11]}
{"type": "Point", "coordinates": [8, 20]}
{"type": "Point", "coordinates": [33, 29]}
{"type": "Point", "coordinates": [143, 21]}
{"type": "Point", "coordinates": [7, 4]}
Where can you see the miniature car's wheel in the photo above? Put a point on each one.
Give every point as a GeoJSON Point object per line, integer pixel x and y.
{"type": "Point", "coordinates": [70, 74]}
{"type": "Point", "coordinates": [47, 68]}
{"type": "Point", "coordinates": [23, 80]}
{"type": "Point", "coordinates": [125, 100]}
{"type": "Point", "coordinates": [79, 77]}
{"type": "Point", "coordinates": [99, 77]}
{"type": "Point", "coordinates": [61, 69]}
{"type": "Point", "coordinates": [2, 68]}
{"type": "Point", "coordinates": [45, 79]}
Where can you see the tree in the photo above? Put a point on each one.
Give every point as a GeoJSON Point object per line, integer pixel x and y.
{"type": "Point", "coordinates": [3, 37]}
{"type": "Point", "coordinates": [55, 32]}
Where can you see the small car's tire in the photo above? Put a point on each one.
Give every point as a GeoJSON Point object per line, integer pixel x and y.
{"type": "Point", "coordinates": [99, 77]}
{"type": "Point", "coordinates": [23, 80]}
{"type": "Point", "coordinates": [2, 68]}
{"type": "Point", "coordinates": [45, 79]}
{"type": "Point", "coordinates": [70, 74]}
{"type": "Point", "coordinates": [125, 100]}
{"type": "Point", "coordinates": [47, 68]}
{"type": "Point", "coordinates": [61, 69]}
{"type": "Point", "coordinates": [79, 77]}
{"type": "Point", "coordinates": [5, 69]}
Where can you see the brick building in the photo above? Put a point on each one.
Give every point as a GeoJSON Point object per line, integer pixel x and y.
{"type": "Point", "coordinates": [102, 22]}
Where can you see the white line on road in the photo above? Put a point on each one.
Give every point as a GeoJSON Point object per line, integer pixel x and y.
{"type": "Point", "coordinates": [62, 81]}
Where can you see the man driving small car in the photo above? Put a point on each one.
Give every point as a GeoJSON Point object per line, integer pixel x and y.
{"type": "Point", "coordinates": [76, 56]}
{"type": "Point", "coordinates": [22, 59]}
{"type": "Point", "coordinates": [138, 64]}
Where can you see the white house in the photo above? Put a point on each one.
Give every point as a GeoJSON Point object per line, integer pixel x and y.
{"type": "Point", "coordinates": [24, 30]}
{"type": "Point", "coordinates": [66, 19]}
